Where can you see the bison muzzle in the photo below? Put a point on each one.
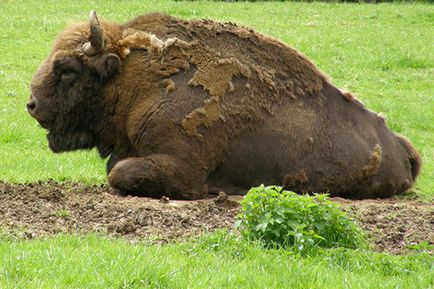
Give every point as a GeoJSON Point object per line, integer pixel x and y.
{"type": "Point", "coordinates": [184, 108]}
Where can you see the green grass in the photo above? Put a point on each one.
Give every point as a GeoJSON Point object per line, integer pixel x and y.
{"type": "Point", "coordinates": [218, 261]}
{"type": "Point", "coordinates": [383, 53]}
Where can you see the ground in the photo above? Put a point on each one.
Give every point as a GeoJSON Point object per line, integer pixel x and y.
{"type": "Point", "coordinates": [41, 209]}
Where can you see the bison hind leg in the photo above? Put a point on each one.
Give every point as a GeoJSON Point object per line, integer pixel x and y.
{"type": "Point", "coordinates": [156, 176]}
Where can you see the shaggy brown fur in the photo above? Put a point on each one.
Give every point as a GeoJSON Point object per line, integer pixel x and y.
{"type": "Point", "coordinates": [186, 107]}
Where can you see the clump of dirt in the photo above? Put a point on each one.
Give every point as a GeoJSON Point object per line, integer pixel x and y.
{"type": "Point", "coordinates": [34, 210]}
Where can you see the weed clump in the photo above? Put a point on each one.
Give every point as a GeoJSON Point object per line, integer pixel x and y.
{"type": "Point", "coordinates": [280, 218]}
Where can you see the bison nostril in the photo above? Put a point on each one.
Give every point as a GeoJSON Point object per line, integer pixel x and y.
{"type": "Point", "coordinates": [31, 105]}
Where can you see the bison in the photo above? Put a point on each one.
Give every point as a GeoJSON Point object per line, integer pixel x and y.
{"type": "Point", "coordinates": [183, 108]}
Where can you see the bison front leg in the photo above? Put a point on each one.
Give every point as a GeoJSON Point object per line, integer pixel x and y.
{"type": "Point", "coordinates": [156, 176]}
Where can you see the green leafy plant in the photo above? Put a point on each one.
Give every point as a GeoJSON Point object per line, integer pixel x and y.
{"type": "Point", "coordinates": [282, 218]}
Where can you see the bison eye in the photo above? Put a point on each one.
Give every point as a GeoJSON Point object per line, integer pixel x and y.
{"type": "Point", "coordinates": [67, 68]}
{"type": "Point", "coordinates": [68, 76]}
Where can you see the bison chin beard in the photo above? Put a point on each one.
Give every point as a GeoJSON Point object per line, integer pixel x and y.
{"type": "Point", "coordinates": [62, 142]}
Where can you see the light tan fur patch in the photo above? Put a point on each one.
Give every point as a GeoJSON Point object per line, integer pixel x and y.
{"type": "Point", "coordinates": [170, 85]}
{"type": "Point", "coordinates": [374, 162]}
{"type": "Point", "coordinates": [136, 39]}
{"type": "Point", "coordinates": [294, 179]}
{"type": "Point", "coordinates": [215, 74]}
{"type": "Point", "coordinates": [348, 95]}
{"type": "Point", "coordinates": [205, 115]}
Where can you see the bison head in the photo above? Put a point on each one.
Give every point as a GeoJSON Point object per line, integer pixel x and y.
{"type": "Point", "coordinates": [66, 91]}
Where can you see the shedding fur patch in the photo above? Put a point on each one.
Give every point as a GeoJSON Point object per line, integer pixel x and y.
{"type": "Point", "coordinates": [294, 179]}
{"type": "Point", "coordinates": [266, 75]}
{"type": "Point", "coordinates": [348, 96]}
{"type": "Point", "coordinates": [223, 56]}
{"type": "Point", "coordinates": [137, 39]}
{"type": "Point", "coordinates": [215, 74]}
{"type": "Point", "coordinates": [170, 85]}
{"type": "Point", "coordinates": [374, 162]}
{"type": "Point", "coordinates": [205, 115]}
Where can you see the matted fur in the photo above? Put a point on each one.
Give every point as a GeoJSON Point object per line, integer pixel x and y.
{"type": "Point", "coordinates": [184, 108]}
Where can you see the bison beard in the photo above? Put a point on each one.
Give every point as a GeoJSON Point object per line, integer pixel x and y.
{"type": "Point", "coordinates": [76, 122]}
{"type": "Point", "coordinates": [185, 108]}
{"type": "Point", "coordinates": [70, 141]}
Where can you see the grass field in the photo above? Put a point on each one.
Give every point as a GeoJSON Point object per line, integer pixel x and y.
{"type": "Point", "coordinates": [383, 53]}
{"type": "Point", "coordinates": [219, 261]}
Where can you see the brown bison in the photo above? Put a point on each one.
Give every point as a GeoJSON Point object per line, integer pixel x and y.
{"type": "Point", "coordinates": [184, 108]}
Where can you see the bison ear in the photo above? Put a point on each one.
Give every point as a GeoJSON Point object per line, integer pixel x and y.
{"type": "Point", "coordinates": [106, 66]}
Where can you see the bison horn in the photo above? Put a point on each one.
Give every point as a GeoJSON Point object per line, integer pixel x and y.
{"type": "Point", "coordinates": [96, 37]}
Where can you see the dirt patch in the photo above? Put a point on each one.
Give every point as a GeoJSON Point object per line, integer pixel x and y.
{"type": "Point", "coordinates": [35, 210]}
{"type": "Point", "coordinates": [392, 225]}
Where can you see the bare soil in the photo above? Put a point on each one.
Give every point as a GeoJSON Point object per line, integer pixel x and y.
{"type": "Point", "coordinates": [37, 210]}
